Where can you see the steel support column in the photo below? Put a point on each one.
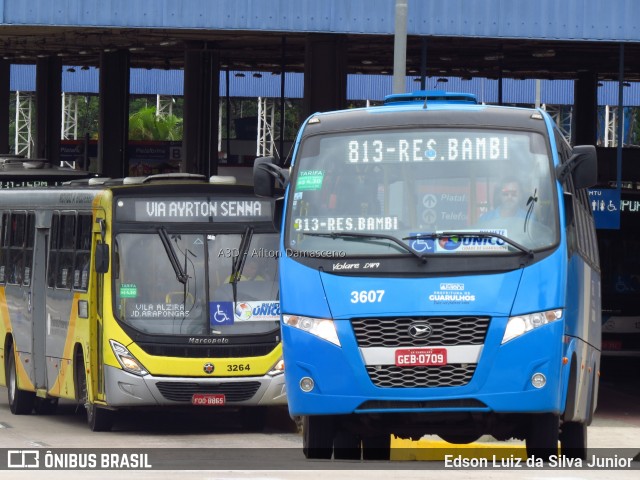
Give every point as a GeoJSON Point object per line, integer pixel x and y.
{"type": "Point", "coordinates": [48, 108]}
{"type": "Point", "coordinates": [5, 100]}
{"type": "Point", "coordinates": [201, 102]}
{"type": "Point", "coordinates": [325, 73]}
{"type": "Point", "coordinates": [584, 130]}
{"type": "Point", "coordinates": [113, 136]}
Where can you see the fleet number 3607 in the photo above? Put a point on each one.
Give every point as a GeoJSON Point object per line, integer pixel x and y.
{"type": "Point", "coordinates": [366, 296]}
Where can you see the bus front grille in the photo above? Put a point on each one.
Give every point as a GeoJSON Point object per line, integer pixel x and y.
{"type": "Point", "coordinates": [183, 391]}
{"type": "Point", "coordinates": [207, 351]}
{"type": "Point", "coordinates": [421, 404]}
{"type": "Point", "coordinates": [451, 375]}
{"type": "Point", "coordinates": [396, 332]}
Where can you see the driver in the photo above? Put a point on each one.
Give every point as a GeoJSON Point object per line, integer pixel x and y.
{"type": "Point", "coordinates": [509, 201]}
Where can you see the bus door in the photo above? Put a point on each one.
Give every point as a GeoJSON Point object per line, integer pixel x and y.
{"type": "Point", "coordinates": [96, 318]}
{"type": "Point", "coordinates": [100, 265]}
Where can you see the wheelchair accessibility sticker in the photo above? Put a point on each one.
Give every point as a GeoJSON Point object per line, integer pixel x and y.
{"type": "Point", "coordinates": [221, 313]}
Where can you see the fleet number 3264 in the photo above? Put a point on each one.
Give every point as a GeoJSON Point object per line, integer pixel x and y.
{"type": "Point", "coordinates": [366, 296]}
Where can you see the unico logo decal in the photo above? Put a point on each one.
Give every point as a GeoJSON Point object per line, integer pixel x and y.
{"type": "Point", "coordinates": [243, 311]}
{"type": "Point", "coordinates": [257, 311]}
{"type": "Point", "coordinates": [449, 243]}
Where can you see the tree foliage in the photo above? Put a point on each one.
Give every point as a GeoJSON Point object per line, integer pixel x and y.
{"type": "Point", "coordinates": [146, 125]}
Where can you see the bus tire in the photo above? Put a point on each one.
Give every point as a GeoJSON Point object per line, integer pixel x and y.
{"type": "Point", "coordinates": [317, 436]}
{"type": "Point", "coordinates": [98, 419]}
{"type": "Point", "coordinates": [346, 446]}
{"type": "Point", "coordinates": [20, 401]}
{"type": "Point", "coordinates": [45, 406]}
{"type": "Point", "coordinates": [573, 440]}
{"type": "Point", "coordinates": [377, 447]}
{"type": "Point", "coordinates": [542, 436]}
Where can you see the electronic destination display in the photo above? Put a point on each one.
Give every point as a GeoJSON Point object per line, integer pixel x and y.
{"type": "Point", "coordinates": [236, 209]}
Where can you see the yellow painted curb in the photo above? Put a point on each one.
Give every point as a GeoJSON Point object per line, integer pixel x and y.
{"type": "Point", "coordinates": [435, 450]}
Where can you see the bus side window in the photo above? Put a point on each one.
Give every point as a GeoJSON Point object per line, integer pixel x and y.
{"type": "Point", "coordinates": [64, 277]}
{"type": "Point", "coordinates": [16, 248]}
{"type": "Point", "coordinates": [53, 250]}
{"type": "Point", "coordinates": [28, 251]}
{"type": "Point", "coordinates": [4, 222]}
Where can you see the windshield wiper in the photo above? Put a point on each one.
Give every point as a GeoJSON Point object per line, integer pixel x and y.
{"type": "Point", "coordinates": [238, 262]}
{"type": "Point", "coordinates": [438, 235]}
{"type": "Point", "coordinates": [370, 236]}
{"type": "Point", "coordinates": [531, 203]}
{"type": "Point", "coordinates": [181, 275]}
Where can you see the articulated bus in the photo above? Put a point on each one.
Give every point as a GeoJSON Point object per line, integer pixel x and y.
{"type": "Point", "coordinates": [439, 275]}
{"type": "Point", "coordinates": [620, 255]}
{"type": "Point", "coordinates": [17, 171]}
{"type": "Point", "coordinates": [160, 291]}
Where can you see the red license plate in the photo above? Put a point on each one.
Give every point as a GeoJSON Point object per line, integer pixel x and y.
{"type": "Point", "coordinates": [612, 345]}
{"type": "Point", "coordinates": [208, 399]}
{"type": "Point", "coordinates": [421, 357]}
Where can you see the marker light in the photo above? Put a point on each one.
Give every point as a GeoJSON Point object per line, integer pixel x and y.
{"type": "Point", "coordinates": [306, 384]}
{"type": "Point", "coordinates": [127, 361]}
{"type": "Point", "coordinates": [538, 380]}
{"type": "Point", "coordinates": [320, 327]}
{"type": "Point", "coordinates": [521, 324]}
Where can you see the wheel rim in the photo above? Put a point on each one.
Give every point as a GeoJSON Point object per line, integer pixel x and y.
{"type": "Point", "coordinates": [12, 380]}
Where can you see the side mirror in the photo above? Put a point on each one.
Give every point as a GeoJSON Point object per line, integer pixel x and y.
{"type": "Point", "coordinates": [585, 173]}
{"type": "Point", "coordinates": [582, 166]}
{"type": "Point", "coordinates": [102, 257]}
{"type": "Point", "coordinates": [263, 181]}
{"type": "Point", "coordinates": [265, 173]}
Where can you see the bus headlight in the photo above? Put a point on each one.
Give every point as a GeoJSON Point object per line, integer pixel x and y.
{"type": "Point", "coordinates": [127, 361]}
{"type": "Point", "coordinates": [277, 369]}
{"type": "Point", "coordinates": [521, 324]}
{"type": "Point", "coordinates": [320, 327]}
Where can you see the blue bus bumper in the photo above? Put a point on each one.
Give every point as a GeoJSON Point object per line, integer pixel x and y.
{"type": "Point", "coordinates": [501, 382]}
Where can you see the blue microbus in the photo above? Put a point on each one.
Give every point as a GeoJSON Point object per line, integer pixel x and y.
{"type": "Point", "coordinates": [439, 275]}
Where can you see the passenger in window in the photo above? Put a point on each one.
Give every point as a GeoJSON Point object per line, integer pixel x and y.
{"type": "Point", "coordinates": [508, 201]}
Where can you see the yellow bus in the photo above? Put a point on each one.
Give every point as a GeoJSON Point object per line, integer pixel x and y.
{"type": "Point", "coordinates": [138, 292]}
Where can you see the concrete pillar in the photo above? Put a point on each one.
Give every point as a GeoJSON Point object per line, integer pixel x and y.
{"type": "Point", "coordinates": [5, 100]}
{"type": "Point", "coordinates": [325, 73]}
{"type": "Point", "coordinates": [48, 109]}
{"type": "Point", "coordinates": [201, 112]}
{"type": "Point", "coordinates": [113, 136]}
{"type": "Point", "coordinates": [584, 130]}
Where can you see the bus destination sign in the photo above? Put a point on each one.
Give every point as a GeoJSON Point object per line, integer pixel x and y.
{"type": "Point", "coordinates": [193, 210]}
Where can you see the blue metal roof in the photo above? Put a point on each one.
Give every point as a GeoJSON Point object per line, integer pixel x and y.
{"type": "Point", "coordinates": [592, 20]}
{"type": "Point", "coordinates": [359, 87]}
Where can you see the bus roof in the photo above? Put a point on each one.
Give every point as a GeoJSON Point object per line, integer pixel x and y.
{"type": "Point", "coordinates": [82, 194]}
{"type": "Point", "coordinates": [412, 114]}
{"type": "Point", "coordinates": [430, 96]}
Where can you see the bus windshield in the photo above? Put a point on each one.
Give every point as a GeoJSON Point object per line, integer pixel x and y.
{"type": "Point", "coordinates": [359, 193]}
{"type": "Point", "coordinates": [218, 294]}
